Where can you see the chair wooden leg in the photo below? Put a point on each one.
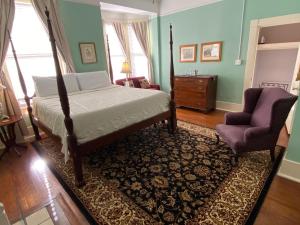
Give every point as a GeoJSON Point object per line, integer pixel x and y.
{"type": "Point", "coordinates": [235, 159]}
{"type": "Point", "coordinates": [272, 154]}
{"type": "Point", "coordinates": [218, 138]}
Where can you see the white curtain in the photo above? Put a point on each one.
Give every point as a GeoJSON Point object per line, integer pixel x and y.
{"type": "Point", "coordinates": [7, 12]}
{"type": "Point", "coordinates": [141, 30]}
{"type": "Point", "coordinates": [58, 29]}
{"type": "Point", "coordinates": [122, 33]}
{"type": "Point", "coordinates": [7, 96]}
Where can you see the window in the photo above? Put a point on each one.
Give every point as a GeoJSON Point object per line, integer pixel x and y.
{"type": "Point", "coordinates": [33, 49]}
{"type": "Point", "coordinates": [139, 62]}
{"type": "Point", "coordinates": [116, 53]}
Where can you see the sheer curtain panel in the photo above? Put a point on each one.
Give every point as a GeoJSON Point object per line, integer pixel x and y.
{"type": "Point", "coordinates": [122, 33]}
{"type": "Point", "coordinates": [141, 30]}
{"type": "Point", "coordinates": [8, 98]}
{"type": "Point", "coordinates": [58, 29]}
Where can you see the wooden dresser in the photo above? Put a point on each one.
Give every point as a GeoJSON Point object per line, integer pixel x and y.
{"type": "Point", "coordinates": [197, 92]}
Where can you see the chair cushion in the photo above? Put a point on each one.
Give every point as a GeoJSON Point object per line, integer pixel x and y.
{"type": "Point", "coordinates": [233, 135]}
{"type": "Point", "coordinates": [144, 84]}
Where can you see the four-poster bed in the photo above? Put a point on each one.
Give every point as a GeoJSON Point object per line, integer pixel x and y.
{"type": "Point", "coordinates": [76, 149]}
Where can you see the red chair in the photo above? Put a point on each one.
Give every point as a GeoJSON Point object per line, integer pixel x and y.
{"type": "Point", "coordinates": [136, 83]}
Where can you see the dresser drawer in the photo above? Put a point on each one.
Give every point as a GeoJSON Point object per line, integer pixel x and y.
{"type": "Point", "coordinates": [196, 89]}
{"type": "Point", "coordinates": [189, 93]}
{"type": "Point", "coordinates": [190, 99]}
{"type": "Point", "coordinates": [190, 82]}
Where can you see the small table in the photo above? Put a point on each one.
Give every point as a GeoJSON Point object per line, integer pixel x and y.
{"type": "Point", "coordinates": [8, 135]}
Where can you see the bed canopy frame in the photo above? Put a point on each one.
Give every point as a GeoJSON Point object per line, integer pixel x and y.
{"type": "Point", "coordinates": [78, 150]}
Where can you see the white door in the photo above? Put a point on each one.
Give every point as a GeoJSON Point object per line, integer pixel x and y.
{"type": "Point", "coordinates": [295, 91]}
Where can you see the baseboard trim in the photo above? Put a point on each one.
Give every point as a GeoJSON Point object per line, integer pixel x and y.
{"type": "Point", "coordinates": [290, 170]}
{"type": "Point", "coordinates": [229, 106]}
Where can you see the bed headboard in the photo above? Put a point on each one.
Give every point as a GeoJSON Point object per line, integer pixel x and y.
{"type": "Point", "coordinates": [268, 84]}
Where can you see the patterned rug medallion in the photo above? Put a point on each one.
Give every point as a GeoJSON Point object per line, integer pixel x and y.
{"type": "Point", "coordinates": [153, 177]}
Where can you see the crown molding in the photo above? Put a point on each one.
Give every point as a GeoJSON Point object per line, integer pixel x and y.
{"type": "Point", "coordinates": [197, 5]}
{"type": "Point", "coordinates": [86, 2]}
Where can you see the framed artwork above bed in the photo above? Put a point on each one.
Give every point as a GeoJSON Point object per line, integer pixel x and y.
{"type": "Point", "coordinates": [88, 52]}
{"type": "Point", "coordinates": [188, 53]}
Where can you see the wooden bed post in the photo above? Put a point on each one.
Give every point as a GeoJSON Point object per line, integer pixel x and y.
{"type": "Point", "coordinates": [109, 62]}
{"type": "Point", "coordinates": [24, 89]}
{"type": "Point", "coordinates": [64, 101]}
{"type": "Point", "coordinates": [173, 120]}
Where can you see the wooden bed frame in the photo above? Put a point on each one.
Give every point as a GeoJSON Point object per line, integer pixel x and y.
{"type": "Point", "coordinates": [78, 150]}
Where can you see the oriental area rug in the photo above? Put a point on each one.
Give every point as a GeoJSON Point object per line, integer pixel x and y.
{"type": "Point", "coordinates": [153, 177]}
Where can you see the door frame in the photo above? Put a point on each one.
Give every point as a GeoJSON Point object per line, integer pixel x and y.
{"type": "Point", "coordinates": [255, 27]}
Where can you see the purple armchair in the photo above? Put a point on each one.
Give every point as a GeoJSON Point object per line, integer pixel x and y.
{"type": "Point", "coordinates": [258, 126]}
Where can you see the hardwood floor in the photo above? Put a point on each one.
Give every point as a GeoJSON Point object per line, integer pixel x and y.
{"type": "Point", "coordinates": [207, 120]}
{"type": "Point", "coordinates": [27, 185]}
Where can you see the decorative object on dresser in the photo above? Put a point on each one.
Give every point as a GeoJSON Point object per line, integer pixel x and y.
{"type": "Point", "coordinates": [197, 92]}
{"type": "Point", "coordinates": [188, 53]}
{"type": "Point", "coordinates": [211, 51]}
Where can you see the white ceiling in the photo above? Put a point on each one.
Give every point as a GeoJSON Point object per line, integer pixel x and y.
{"type": "Point", "coordinates": [123, 9]}
{"type": "Point", "coordinates": [172, 6]}
{"type": "Point", "coordinates": [148, 7]}
{"type": "Point", "coordinates": [124, 5]}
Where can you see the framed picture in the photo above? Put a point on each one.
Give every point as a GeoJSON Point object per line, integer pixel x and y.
{"type": "Point", "coordinates": [88, 52]}
{"type": "Point", "coordinates": [188, 53]}
{"type": "Point", "coordinates": [211, 52]}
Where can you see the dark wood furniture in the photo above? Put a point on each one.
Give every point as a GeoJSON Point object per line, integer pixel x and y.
{"type": "Point", "coordinates": [197, 92]}
{"type": "Point", "coordinates": [78, 150]}
{"type": "Point", "coordinates": [8, 135]}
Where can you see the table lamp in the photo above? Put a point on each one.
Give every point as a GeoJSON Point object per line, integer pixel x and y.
{"type": "Point", "coordinates": [126, 69]}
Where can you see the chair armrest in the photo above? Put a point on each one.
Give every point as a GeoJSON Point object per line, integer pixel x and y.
{"type": "Point", "coordinates": [155, 86]}
{"type": "Point", "coordinates": [238, 118]}
{"type": "Point", "coordinates": [255, 132]}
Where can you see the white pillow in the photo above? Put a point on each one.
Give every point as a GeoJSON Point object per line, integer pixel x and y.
{"type": "Point", "coordinates": [93, 80]}
{"type": "Point", "coordinates": [47, 86]}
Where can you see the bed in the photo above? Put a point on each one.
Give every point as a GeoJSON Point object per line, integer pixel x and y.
{"type": "Point", "coordinates": [95, 114]}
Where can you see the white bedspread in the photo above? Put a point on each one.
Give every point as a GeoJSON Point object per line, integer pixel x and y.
{"type": "Point", "coordinates": [99, 112]}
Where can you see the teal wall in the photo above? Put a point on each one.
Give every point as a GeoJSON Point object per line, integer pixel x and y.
{"type": "Point", "coordinates": [216, 22]}
{"type": "Point", "coordinates": [220, 22]}
{"type": "Point", "coordinates": [155, 36]}
{"type": "Point", "coordinates": [82, 23]}
{"type": "Point", "coordinates": [205, 24]}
